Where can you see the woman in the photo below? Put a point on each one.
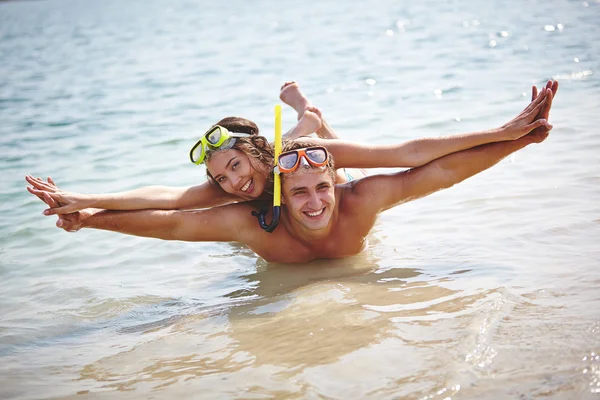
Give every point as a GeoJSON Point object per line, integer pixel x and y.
{"type": "Point", "coordinates": [242, 171]}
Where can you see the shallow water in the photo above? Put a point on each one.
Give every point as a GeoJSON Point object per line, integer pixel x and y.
{"type": "Point", "coordinates": [487, 290]}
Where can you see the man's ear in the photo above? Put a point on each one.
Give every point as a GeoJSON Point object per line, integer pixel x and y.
{"type": "Point", "coordinates": [282, 199]}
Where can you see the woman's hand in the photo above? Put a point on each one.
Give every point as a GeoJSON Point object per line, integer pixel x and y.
{"type": "Point", "coordinates": [539, 134]}
{"type": "Point", "coordinates": [534, 118]}
{"type": "Point", "coordinates": [66, 202]}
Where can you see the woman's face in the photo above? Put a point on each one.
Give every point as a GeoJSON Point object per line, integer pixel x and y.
{"type": "Point", "coordinates": [237, 173]}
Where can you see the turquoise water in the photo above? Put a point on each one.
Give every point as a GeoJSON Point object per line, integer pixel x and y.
{"type": "Point", "coordinates": [487, 290]}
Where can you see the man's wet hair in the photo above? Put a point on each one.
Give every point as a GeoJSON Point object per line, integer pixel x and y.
{"type": "Point", "coordinates": [303, 143]}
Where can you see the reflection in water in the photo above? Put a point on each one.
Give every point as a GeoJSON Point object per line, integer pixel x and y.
{"type": "Point", "coordinates": [295, 324]}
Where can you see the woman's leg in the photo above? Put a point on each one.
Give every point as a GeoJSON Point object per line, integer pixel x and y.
{"type": "Point", "coordinates": [292, 96]}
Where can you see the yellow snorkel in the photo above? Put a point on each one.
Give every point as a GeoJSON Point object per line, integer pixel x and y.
{"type": "Point", "coordinates": [276, 180]}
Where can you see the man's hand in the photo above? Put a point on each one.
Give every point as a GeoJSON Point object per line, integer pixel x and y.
{"type": "Point", "coordinates": [69, 222]}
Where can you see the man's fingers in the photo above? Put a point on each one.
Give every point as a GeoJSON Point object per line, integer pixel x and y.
{"type": "Point", "coordinates": [65, 224]}
{"type": "Point", "coordinates": [538, 123]}
{"type": "Point", "coordinates": [51, 181]}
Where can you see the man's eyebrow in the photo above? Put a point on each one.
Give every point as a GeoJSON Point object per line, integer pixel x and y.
{"type": "Point", "coordinates": [297, 188]}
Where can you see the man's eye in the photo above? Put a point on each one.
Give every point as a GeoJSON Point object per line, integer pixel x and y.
{"type": "Point", "coordinates": [299, 193]}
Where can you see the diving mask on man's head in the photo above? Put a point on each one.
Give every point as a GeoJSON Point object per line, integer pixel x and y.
{"type": "Point", "coordinates": [291, 160]}
{"type": "Point", "coordinates": [216, 137]}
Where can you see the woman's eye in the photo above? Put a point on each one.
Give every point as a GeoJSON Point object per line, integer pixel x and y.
{"type": "Point", "coordinates": [235, 165]}
{"type": "Point", "coordinates": [221, 179]}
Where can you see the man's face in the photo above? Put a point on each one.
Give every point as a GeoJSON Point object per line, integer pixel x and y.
{"type": "Point", "coordinates": [309, 195]}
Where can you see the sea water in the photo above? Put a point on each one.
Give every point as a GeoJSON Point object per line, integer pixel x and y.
{"type": "Point", "coordinates": [487, 290]}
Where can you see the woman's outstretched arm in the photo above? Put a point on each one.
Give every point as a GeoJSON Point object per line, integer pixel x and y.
{"type": "Point", "coordinates": [418, 152]}
{"type": "Point", "coordinates": [149, 197]}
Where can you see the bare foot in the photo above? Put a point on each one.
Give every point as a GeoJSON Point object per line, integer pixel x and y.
{"type": "Point", "coordinates": [309, 123]}
{"type": "Point", "coordinates": [293, 97]}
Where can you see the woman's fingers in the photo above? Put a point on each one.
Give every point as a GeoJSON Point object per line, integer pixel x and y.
{"type": "Point", "coordinates": [534, 92]}
{"type": "Point", "coordinates": [38, 193]}
{"type": "Point", "coordinates": [49, 200]}
{"type": "Point", "coordinates": [540, 99]}
{"type": "Point", "coordinates": [68, 209]}
{"type": "Point", "coordinates": [545, 112]}
{"type": "Point", "coordinates": [38, 183]}
{"type": "Point", "coordinates": [535, 110]}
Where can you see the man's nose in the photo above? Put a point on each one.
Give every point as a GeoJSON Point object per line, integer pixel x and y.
{"type": "Point", "coordinates": [314, 201]}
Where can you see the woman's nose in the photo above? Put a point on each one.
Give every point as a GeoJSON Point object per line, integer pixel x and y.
{"type": "Point", "coordinates": [236, 180]}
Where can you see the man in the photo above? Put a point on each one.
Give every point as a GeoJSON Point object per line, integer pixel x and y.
{"type": "Point", "coordinates": [320, 219]}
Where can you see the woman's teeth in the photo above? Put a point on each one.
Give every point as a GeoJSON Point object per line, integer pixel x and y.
{"type": "Point", "coordinates": [316, 213]}
{"type": "Point", "coordinates": [246, 186]}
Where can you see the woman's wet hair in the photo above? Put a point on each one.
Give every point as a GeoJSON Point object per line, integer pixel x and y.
{"type": "Point", "coordinates": [239, 124]}
{"type": "Point", "coordinates": [254, 146]}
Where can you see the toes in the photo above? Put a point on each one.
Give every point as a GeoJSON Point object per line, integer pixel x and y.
{"type": "Point", "coordinates": [286, 84]}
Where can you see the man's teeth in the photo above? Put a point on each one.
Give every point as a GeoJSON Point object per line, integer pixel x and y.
{"type": "Point", "coordinates": [246, 186]}
{"type": "Point", "coordinates": [316, 213]}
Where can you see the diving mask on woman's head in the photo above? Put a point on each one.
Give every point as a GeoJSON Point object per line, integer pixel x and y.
{"type": "Point", "coordinates": [291, 160]}
{"type": "Point", "coordinates": [216, 137]}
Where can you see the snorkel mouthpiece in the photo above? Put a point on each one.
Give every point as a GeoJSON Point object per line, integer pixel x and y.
{"type": "Point", "coordinates": [277, 181]}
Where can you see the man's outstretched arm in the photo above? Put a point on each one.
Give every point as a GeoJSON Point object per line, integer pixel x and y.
{"type": "Point", "coordinates": [220, 224]}
{"type": "Point", "coordinates": [381, 192]}
{"type": "Point", "coordinates": [444, 172]}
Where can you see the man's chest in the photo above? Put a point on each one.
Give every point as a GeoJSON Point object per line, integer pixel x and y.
{"type": "Point", "coordinates": [280, 246]}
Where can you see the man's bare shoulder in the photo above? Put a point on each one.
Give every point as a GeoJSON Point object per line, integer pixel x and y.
{"type": "Point", "coordinates": [348, 198]}
{"type": "Point", "coordinates": [365, 196]}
